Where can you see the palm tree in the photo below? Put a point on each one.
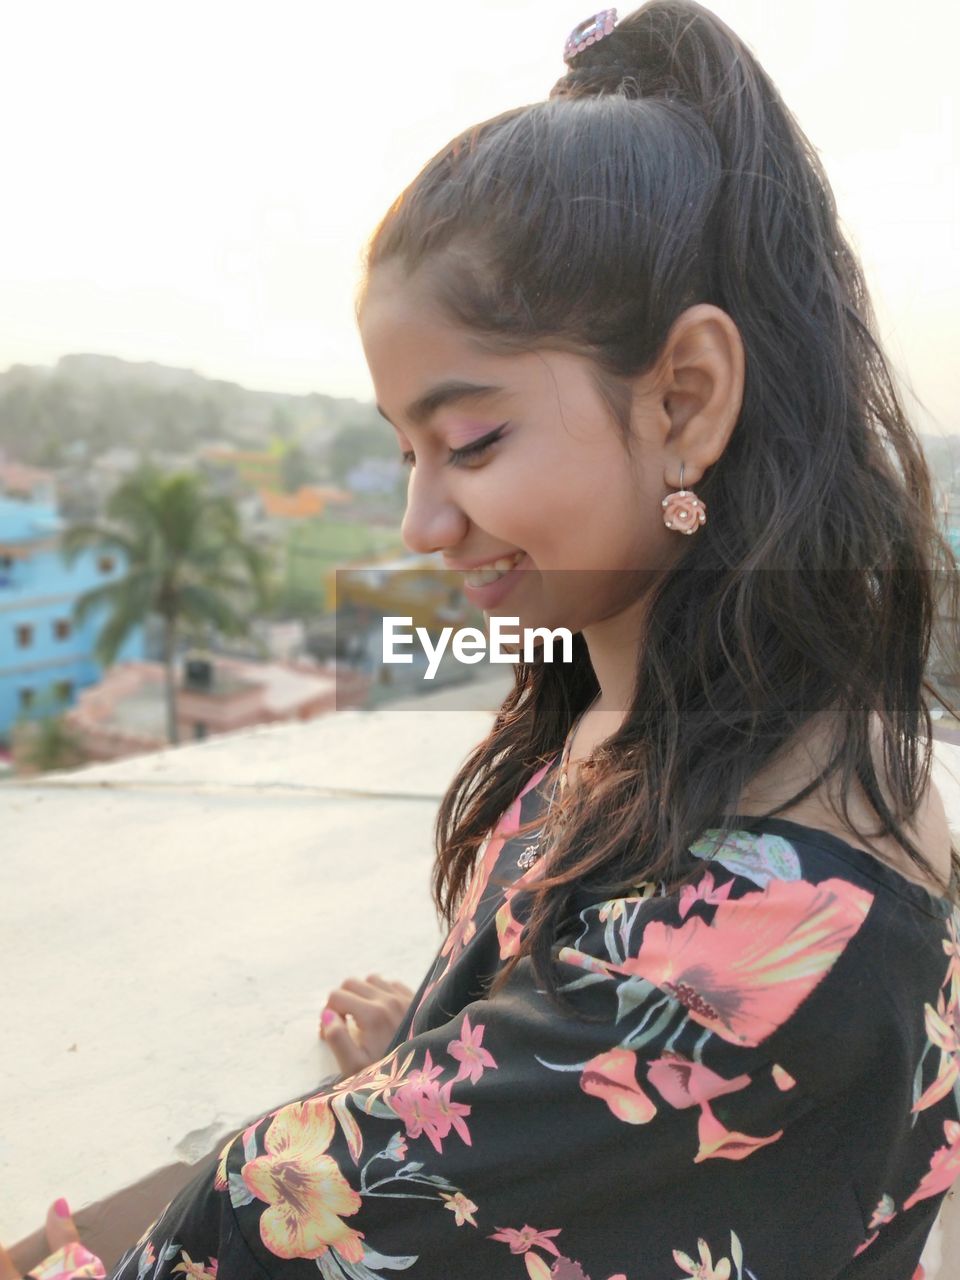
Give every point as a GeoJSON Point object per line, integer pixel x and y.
{"type": "Point", "coordinates": [47, 742]}
{"type": "Point", "coordinates": [186, 561]}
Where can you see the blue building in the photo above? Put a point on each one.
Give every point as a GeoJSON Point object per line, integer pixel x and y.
{"type": "Point", "coordinates": [42, 654]}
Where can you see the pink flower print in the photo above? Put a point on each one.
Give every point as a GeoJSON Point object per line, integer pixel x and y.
{"type": "Point", "coordinates": [452, 1113]}
{"type": "Point", "coordinates": [866, 1244]}
{"type": "Point", "coordinates": [524, 1239]}
{"type": "Point", "coordinates": [782, 1078]}
{"type": "Point", "coordinates": [469, 1052]}
{"type": "Point", "coordinates": [509, 928]}
{"type": "Point", "coordinates": [431, 1112]}
{"type": "Point", "coordinates": [703, 891]}
{"type": "Point", "coordinates": [716, 1140]}
{"type": "Point", "coordinates": [611, 1076]}
{"type": "Point", "coordinates": [743, 974]}
{"type": "Point", "coordinates": [683, 1083]}
{"type": "Point", "coordinates": [74, 1261]}
{"type": "Point", "coordinates": [944, 1167]}
{"type": "Point", "coordinates": [413, 1108]}
{"type": "Point", "coordinates": [464, 928]}
{"type": "Point", "coordinates": [942, 1029]}
{"type": "Point", "coordinates": [396, 1148]}
{"type": "Point", "coordinates": [423, 1077]}
{"type": "Point", "coordinates": [462, 1208]}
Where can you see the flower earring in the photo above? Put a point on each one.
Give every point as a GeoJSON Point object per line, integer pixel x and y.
{"type": "Point", "coordinates": [683, 510]}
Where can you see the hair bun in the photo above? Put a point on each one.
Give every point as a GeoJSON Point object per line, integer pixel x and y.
{"type": "Point", "coordinates": [664, 49]}
{"type": "Point", "coordinates": [594, 79]}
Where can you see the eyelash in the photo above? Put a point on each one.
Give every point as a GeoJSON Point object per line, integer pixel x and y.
{"type": "Point", "coordinates": [468, 451]}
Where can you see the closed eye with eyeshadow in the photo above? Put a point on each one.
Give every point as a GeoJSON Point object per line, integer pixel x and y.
{"type": "Point", "coordinates": [457, 456]}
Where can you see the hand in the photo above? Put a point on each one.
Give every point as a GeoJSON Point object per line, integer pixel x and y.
{"type": "Point", "coordinates": [375, 1008]}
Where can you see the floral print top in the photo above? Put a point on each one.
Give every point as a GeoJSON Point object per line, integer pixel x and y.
{"type": "Point", "coordinates": [769, 1091]}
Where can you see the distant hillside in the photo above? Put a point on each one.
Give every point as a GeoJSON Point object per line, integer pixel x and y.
{"type": "Point", "coordinates": [87, 404]}
{"type": "Point", "coordinates": [103, 401]}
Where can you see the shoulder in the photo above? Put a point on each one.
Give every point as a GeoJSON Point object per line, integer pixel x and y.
{"type": "Point", "coordinates": [933, 829]}
{"type": "Point", "coordinates": [928, 828]}
{"type": "Point", "coordinates": [776, 936]}
{"type": "Point", "coordinates": [759, 925]}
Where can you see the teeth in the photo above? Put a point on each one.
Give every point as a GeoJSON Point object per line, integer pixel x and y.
{"type": "Point", "coordinates": [480, 577]}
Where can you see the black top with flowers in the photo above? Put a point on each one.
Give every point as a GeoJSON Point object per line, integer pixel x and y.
{"type": "Point", "coordinates": [771, 1094]}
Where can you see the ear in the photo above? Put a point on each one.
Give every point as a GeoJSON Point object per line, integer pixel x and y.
{"type": "Point", "coordinates": [700, 380]}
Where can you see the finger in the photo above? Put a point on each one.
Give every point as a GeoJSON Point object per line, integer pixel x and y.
{"type": "Point", "coordinates": [368, 1012]}
{"type": "Point", "coordinates": [60, 1226]}
{"type": "Point", "coordinates": [394, 988]}
{"type": "Point", "coordinates": [334, 1033]}
{"type": "Point", "coordinates": [375, 1020]}
{"type": "Point", "coordinates": [368, 989]}
{"type": "Point", "coordinates": [377, 980]}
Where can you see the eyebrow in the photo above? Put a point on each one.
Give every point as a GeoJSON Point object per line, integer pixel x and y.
{"type": "Point", "coordinates": [423, 408]}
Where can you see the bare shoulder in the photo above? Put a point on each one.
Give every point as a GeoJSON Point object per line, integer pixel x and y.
{"type": "Point", "coordinates": [933, 830]}
{"type": "Point", "coordinates": [928, 828]}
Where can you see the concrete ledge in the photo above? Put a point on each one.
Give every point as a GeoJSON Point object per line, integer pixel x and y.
{"type": "Point", "coordinates": [173, 923]}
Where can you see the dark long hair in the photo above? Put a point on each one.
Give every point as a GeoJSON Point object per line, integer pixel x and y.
{"type": "Point", "coordinates": [664, 170]}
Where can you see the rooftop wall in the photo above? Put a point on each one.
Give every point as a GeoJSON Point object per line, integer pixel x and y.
{"type": "Point", "coordinates": [174, 922]}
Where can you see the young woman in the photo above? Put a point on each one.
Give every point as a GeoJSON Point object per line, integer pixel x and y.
{"type": "Point", "coordinates": [697, 1011]}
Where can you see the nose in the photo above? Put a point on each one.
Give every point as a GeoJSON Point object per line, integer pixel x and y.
{"type": "Point", "coordinates": [432, 520]}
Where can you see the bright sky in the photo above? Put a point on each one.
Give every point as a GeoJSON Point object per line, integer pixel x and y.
{"type": "Point", "coordinates": [191, 182]}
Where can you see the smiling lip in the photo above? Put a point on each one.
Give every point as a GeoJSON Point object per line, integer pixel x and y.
{"type": "Point", "coordinates": [490, 595]}
{"type": "Point", "coordinates": [479, 564]}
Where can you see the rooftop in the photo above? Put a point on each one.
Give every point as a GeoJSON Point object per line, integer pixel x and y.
{"type": "Point", "coordinates": [174, 922]}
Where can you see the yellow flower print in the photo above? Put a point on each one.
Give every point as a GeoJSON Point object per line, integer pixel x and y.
{"type": "Point", "coordinates": [147, 1231]}
{"type": "Point", "coordinates": [196, 1270]}
{"type": "Point", "coordinates": [462, 1208]}
{"type": "Point", "coordinates": [303, 1186]}
{"type": "Point", "coordinates": [782, 1077]}
{"type": "Point", "coordinates": [951, 945]}
{"type": "Point", "coordinates": [943, 1031]}
{"type": "Point", "coordinates": [704, 1269]}
{"type": "Point", "coordinates": [220, 1177]}
{"type": "Point", "coordinates": [611, 910]}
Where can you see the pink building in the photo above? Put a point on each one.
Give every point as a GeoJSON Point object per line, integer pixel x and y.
{"type": "Point", "coordinates": [125, 714]}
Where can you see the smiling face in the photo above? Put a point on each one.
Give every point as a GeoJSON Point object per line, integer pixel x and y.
{"type": "Point", "coordinates": [555, 483]}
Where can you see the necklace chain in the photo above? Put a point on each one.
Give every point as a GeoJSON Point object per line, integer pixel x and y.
{"type": "Point", "coordinates": [532, 852]}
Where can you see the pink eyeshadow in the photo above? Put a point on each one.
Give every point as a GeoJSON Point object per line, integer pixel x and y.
{"type": "Point", "coordinates": [468, 432]}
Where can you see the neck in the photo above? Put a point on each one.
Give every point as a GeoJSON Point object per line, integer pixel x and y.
{"type": "Point", "coordinates": [614, 648]}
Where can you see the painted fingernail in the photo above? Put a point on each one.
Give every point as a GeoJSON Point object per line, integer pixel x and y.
{"type": "Point", "coordinates": [61, 1208]}
{"type": "Point", "coordinates": [327, 1017]}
